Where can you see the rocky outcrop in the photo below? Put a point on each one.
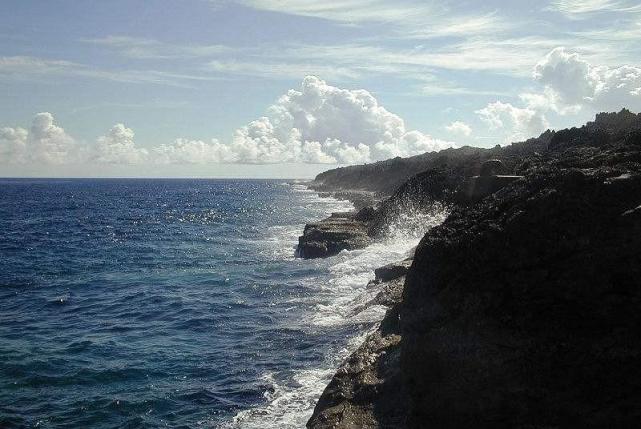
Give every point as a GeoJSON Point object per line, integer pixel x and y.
{"type": "Point", "coordinates": [523, 310]}
{"type": "Point", "coordinates": [478, 187]}
{"type": "Point", "coordinates": [393, 271]}
{"type": "Point", "coordinates": [366, 391]}
{"type": "Point", "coordinates": [449, 166]}
{"type": "Point", "coordinates": [330, 236]}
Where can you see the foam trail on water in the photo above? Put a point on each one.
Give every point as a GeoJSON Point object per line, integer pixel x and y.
{"type": "Point", "coordinates": [335, 301]}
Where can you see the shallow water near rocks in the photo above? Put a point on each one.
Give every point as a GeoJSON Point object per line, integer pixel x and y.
{"type": "Point", "coordinates": [175, 303]}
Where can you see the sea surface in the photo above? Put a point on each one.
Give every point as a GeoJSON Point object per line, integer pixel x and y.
{"type": "Point", "coordinates": [175, 303]}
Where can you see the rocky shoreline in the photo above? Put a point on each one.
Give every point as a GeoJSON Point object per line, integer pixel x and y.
{"type": "Point", "coordinates": [358, 395]}
{"type": "Point", "coordinates": [522, 309]}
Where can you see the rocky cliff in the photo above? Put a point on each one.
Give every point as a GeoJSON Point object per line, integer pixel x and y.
{"type": "Point", "coordinates": [523, 309]}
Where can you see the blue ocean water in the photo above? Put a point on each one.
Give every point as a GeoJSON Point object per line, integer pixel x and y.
{"type": "Point", "coordinates": [173, 303]}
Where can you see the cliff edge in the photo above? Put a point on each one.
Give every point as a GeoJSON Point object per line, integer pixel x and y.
{"type": "Point", "coordinates": [523, 309]}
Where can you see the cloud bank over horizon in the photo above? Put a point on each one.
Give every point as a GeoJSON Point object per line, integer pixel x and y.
{"type": "Point", "coordinates": [323, 124]}
{"type": "Point", "coordinates": [570, 84]}
{"type": "Point", "coordinates": [316, 124]}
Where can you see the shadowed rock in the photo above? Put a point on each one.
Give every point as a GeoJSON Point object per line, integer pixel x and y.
{"type": "Point", "coordinates": [492, 167]}
{"type": "Point", "coordinates": [392, 271]}
{"type": "Point", "coordinates": [478, 187]}
{"type": "Point", "coordinates": [523, 310]}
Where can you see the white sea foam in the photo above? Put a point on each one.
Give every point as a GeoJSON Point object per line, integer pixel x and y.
{"type": "Point", "coordinates": [339, 296]}
{"type": "Point", "coordinates": [289, 405]}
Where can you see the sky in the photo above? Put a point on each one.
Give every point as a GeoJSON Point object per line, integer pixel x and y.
{"type": "Point", "coordinates": [290, 88]}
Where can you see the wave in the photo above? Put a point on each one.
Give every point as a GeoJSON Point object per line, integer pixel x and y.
{"type": "Point", "coordinates": [336, 303]}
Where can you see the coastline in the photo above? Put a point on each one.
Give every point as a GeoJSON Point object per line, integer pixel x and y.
{"type": "Point", "coordinates": [521, 308]}
{"type": "Point", "coordinates": [366, 390]}
{"type": "Point", "coordinates": [338, 311]}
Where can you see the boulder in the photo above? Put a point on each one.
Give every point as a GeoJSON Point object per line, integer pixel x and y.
{"type": "Point", "coordinates": [392, 271]}
{"type": "Point", "coordinates": [332, 235]}
{"type": "Point", "coordinates": [492, 167]}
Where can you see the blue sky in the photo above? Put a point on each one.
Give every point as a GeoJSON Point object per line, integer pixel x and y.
{"type": "Point", "coordinates": [277, 88]}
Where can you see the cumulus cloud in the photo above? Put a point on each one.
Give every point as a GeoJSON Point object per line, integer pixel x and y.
{"type": "Point", "coordinates": [43, 143]}
{"type": "Point", "coordinates": [578, 83]}
{"type": "Point", "coordinates": [459, 128]}
{"type": "Point", "coordinates": [185, 151]}
{"type": "Point", "coordinates": [13, 145]}
{"type": "Point", "coordinates": [570, 84]}
{"type": "Point", "coordinates": [118, 147]}
{"type": "Point", "coordinates": [321, 123]}
{"type": "Point", "coordinates": [318, 124]}
{"type": "Point", "coordinates": [523, 122]}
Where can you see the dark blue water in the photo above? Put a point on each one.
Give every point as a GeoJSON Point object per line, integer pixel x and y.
{"type": "Point", "coordinates": [170, 303]}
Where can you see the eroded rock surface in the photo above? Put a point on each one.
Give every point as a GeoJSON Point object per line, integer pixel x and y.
{"type": "Point", "coordinates": [392, 271]}
{"type": "Point", "coordinates": [330, 236]}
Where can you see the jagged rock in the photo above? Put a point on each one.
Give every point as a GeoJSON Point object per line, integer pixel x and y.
{"type": "Point", "coordinates": [366, 391]}
{"type": "Point", "coordinates": [523, 310]}
{"type": "Point", "coordinates": [583, 136]}
{"type": "Point", "coordinates": [492, 167]}
{"type": "Point", "coordinates": [633, 138]}
{"type": "Point", "coordinates": [366, 214]}
{"type": "Point", "coordinates": [332, 235]}
{"type": "Point", "coordinates": [392, 271]}
{"type": "Point", "coordinates": [478, 187]}
{"type": "Point", "coordinates": [391, 292]}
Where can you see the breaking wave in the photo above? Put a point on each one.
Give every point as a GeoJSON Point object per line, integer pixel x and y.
{"type": "Point", "coordinates": [337, 305]}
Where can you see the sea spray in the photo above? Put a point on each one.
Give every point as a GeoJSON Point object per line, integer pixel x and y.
{"type": "Point", "coordinates": [339, 300]}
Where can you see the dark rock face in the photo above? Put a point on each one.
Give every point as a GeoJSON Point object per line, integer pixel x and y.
{"type": "Point", "coordinates": [366, 214]}
{"type": "Point", "coordinates": [524, 309]}
{"type": "Point", "coordinates": [579, 137]}
{"type": "Point", "coordinates": [341, 231]}
{"type": "Point", "coordinates": [492, 167]}
{"type": "Point", "coordinates": [392, 271]}
{"type": "Point", "coordinates": [633, 138]}
{"type": "Point", "coordinates": [478, 187]}
{"type": "Point", "coordinates": [450, 167]}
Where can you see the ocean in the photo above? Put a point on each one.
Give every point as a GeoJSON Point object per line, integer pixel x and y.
{"type": "Point", "coordinates": [175, 303]}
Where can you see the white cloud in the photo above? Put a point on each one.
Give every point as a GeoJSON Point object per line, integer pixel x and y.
{"type": "Point", "coordinates": [144, 49]}
{"type": "Point", "coordinates": [318, 123]}
{"type": "Point", "coordinates": [346, 11]}
{"type": "Point", "coordinates": [323, 123]}
{"type": "Point", "coordinates": [520, 123]}
{"type": "Point", "coordinates": [185, 151]}
{"type": "Point", "coordinates": [285, 68]}
{"type": "Point", "coordinates": [25, 67]}
{"type": "Point", "coordinates": [579, 9]}
{"type": "Point", "coordinates": [576, 82]}
{"type": "Point", "coordinates": [13, 145]}
{"type": "Point", "coordinates": [118, 147]}
{"type": "Point", "coordinates": [568, 74]}
{"type": "Point", "coordinates": [43, 143]}
{"type": "Point", "coordinates": [459, 26]}
{"type": "Point", "coordinates": [570, 84]}
{"type": "Point", "coordinates": [460, 129]}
